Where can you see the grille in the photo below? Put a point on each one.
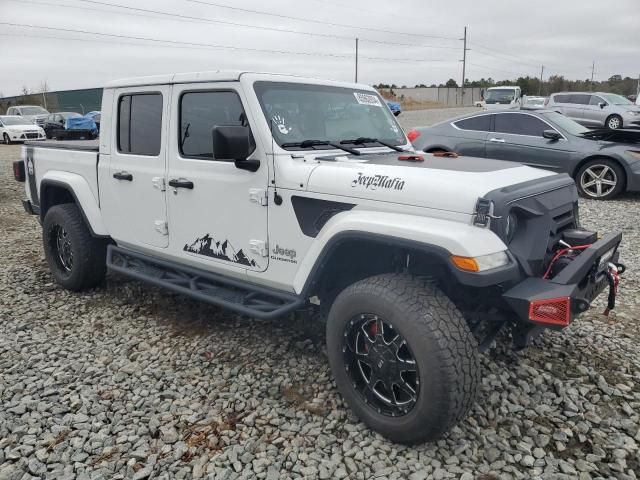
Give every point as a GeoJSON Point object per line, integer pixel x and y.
{"type": "Point", "coordinates": [553, 311]}
{"type": "Point", "coordinates": [31, 135]}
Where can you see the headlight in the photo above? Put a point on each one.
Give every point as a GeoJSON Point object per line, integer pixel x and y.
{"type": "Point", "coordinates": [511, 226]}
{"type": "Point", "coordinates": [634, 154]}
{"type": "Point", "coordinates": [482, 263]}
{"type": "Point", "coordinates": [633, 113]}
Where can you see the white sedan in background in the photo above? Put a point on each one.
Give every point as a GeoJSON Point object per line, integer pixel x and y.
{"type": "Point", "coordinates": [17, 129]}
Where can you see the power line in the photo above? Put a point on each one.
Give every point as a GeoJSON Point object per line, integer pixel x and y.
{"type": "Point", "coordinates": [321, 22]}
{"type": "Point", "coordinates": [211, 45]}
{"type": "Point", "coordinates": [189, 18]}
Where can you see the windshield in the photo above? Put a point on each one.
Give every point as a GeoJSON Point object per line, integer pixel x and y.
{"type": "Point", "coordinates": [501, 95]}
{"type": "Point", "coordinates": [299, 112]}
{"type": "Point", "coordinates": [566, 124]}
{"type": "Point", "coordinates": [33, 111]}
{"type": "Point", "coordinates": [15, 121]}
{"type": "Point", "coordinates": [616, 99]}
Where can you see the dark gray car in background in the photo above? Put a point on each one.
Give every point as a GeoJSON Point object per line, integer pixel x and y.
{"type": "Point", "coordinates": [603, 162]}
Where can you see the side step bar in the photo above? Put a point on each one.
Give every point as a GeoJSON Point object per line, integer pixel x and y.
{"type": "Point", "coordinates": [242, 297]}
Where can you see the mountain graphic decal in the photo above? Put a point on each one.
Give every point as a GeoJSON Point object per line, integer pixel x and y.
{"type": "Point", "coordinates": [209, 247]}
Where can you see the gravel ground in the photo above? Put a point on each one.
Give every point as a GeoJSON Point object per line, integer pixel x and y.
{"type": "Point", "coordinates": [129, 381]}
{"type": "Point", "coordinates": [422, 118]}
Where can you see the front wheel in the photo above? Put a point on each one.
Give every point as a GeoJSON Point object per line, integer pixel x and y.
{"type": "Point", "coordinates": [76, 258]}
{"type": "Point", "coordinates": [402, 357]}
{"type": "Point", "coordinates": [600, 179]}
{"type": "Point", "coordinates": [6, 139]}
{"type": "Point", "coordinates": [614, 122]}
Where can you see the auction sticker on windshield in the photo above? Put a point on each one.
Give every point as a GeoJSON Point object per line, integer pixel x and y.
{"type": "Point", "coordinates": [367, 99]}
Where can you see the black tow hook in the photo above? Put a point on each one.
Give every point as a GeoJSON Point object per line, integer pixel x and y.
{"type": "Point", "coordinates": [613, 277]}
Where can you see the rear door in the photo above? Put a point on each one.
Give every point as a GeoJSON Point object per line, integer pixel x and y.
{"type": "Point", "coordinates": [133, 191]}
{"type": "Point", "coordinates": [518, 137]}
{"type": "Point", "coordinates": [576, 107]}
{"type": "Point", "coordinates": [471, 135]}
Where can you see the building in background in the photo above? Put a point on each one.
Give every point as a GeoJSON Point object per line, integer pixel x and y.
{"type": "Point", "coordinates": [80, 101]}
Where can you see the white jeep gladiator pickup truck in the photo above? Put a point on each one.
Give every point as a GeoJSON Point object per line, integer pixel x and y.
{"type": "Point", "coordinates": [269, 194]}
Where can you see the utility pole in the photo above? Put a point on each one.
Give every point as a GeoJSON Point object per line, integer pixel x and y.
{"type": "Point", "coordinates": [540, 87]}
{"type": "Point", "coordinates": [464, 65]}
{"type": "Point", "coordinates": [593, 69]}
{"type": "Point", "coordinates": [356, 60]}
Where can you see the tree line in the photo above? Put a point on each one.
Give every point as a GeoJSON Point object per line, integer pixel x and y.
{"type": "Point", "coordinates": [531, 85]}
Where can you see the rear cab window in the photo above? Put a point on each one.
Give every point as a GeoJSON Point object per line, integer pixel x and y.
{"type": "Point", "coordinates": [140, 123]}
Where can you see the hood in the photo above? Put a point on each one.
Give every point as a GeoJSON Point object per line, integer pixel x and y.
{"type": "Point", "coordinates": [442, 183]}
{"type": "Point", "coordinates": [24, 128]}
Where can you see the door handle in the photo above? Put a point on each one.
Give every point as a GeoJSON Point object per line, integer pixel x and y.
{"type": "Point", "coordinates": [123, 176]}
{"type": "Point", "coordinates": [497, 140]}
{"type": "Point", "coordinates": [181, 183]}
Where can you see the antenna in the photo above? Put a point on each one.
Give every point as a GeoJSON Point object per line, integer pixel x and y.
{"type": "Point", "coordinates": [277, 199]}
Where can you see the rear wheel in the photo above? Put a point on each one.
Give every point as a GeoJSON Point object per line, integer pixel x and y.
{"type": "Point", "coordinates": [614, 122]}
{"type": "Point", "coordinates": [600, 179]}
{"type": "Point", "coordinates": [402, 357]}
{"type": "Point", "coordinates": [76, 258]}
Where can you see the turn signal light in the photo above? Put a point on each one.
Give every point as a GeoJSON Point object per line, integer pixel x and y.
{"type": "Point", "coordinates": [465, 263]}
{"type": "Point", "coordinates": [551, 311]}
{"type": "Point", "coordinates": [413, 134]}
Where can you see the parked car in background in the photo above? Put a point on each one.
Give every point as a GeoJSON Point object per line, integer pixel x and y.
{"type": "Point", "coordinates": [34, 113]}
{"type": "Point", "coordinates": [533, 103]}
{"type": "Point", "coordinates": [95, 116]}
{"type": "Point", "coordinates": [502, 97]}
{"type": "Point", "coordinates": [603, 163]}
{"type": "Point", "coordinates": [68, 125]}
{"type": "Point", "coordinates": [395, 107]}
{"type": "Point", "coordinates": [596, 109]}
{"type": "Point", "coordinates": [14, 128]}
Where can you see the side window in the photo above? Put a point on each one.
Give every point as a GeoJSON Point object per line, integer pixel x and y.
{"type": "Point", "coordinates": [561, 98]}
{"type": "Point", "coordinates": [481, 123]}
{"type": "Point", "coordinates": [595, 100]}
{"type": "Point", "coordinates": [520, 124]}
{"type": "Point", "coordinates": [199, 113]}
{"type": "Point", "coordinates": [140, 123]}
{"type": "Point", "coordinates": [579, 99]}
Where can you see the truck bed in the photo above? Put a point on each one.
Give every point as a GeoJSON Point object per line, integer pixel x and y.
{"type": "Point", "coordinates": [85, 145]}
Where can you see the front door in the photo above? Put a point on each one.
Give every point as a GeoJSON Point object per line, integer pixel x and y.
{"type": "Point", "coordinates": [217, 212]}
{"type": "Point", "coordinates": [594, 115]}
{"type": "Point", "coordinates": [132, 190]}
{"type": "Point", "coordinates": [518, 137]}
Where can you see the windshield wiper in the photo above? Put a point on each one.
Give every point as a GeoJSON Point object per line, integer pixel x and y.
{"type": "Point", "coordinates": [314, 143]}
{"type": "Point", "coordinates": [363, 140]}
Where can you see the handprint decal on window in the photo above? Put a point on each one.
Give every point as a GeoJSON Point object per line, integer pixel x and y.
{"type": "Point", "coordinates": [280, 122]}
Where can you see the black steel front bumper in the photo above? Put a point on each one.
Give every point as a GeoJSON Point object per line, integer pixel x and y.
{"type": "Point", "coordinates": [581, 282]}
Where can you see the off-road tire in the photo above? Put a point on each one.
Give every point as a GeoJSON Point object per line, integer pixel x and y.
{"type": "Point", "coordinates": [443, 347]}
{"type": "Point", "coordinates": [615, 120]}
{"type": "Point", "coordinates": [620, 177]}
{"type": "Point", "coordinates": [88, 252]}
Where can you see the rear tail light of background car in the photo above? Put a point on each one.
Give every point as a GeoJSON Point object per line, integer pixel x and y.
{"type": "Point", "coordinates": [18, 171]}
{"type": "Point", "coordinates": [413, 134]}
{"type": "Point", "coordinates": [551, 311]}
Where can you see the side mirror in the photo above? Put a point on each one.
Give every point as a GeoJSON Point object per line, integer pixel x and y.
{"type": "Point", "coordinates": [551, 135]}
{"type": "Point", "coordinates": [234, 143]}
{"type": "Point", "coordinates": [602, 104]}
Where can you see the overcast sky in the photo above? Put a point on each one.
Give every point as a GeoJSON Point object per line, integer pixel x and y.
{"type": "Point", "coordinates": [507, 39]}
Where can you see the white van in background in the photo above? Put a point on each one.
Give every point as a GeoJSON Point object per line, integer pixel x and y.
{"type": "Point", "coordinates": [502, 97]}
